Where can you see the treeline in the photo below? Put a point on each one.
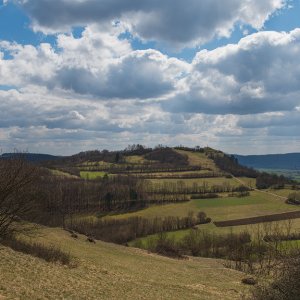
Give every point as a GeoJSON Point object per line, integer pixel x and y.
{"type": "Point", "coordinates": [231, 246]}
{"type": "Point", "coordinates": [61, 198]}
{"type": "Point", "coordinates": [246, 251]}
{"type": "Point", "coordinates": [167, 156]}
{"type": "Point", "coordinates": [138, 168]}
{"type": "Point", "coordinates": [180, 187]}
{"type": "Point", "coordinates": [231, 165]}
{"type": "Point", "coordinates": [124, 230]}
{"type": "Point", "coordinates": [206, 150]}
{"type": "Point", "coordinates": [261, 219]}
{"type": "Point", "coordinates": [265, 180]}
{"type": "Point", "coordinates": [183, 176]}
{"type": "Point", "coordinates": [159, 153]}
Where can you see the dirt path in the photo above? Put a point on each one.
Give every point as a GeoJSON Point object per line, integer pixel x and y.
{"type": "Point", "coordinates": [260, 191]}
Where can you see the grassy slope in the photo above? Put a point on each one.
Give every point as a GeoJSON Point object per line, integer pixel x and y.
{"type": "Point", "coordinates": [62, 174]}
{"type": "Point", "coordinates": [227, 208]}
{"type": "Point", "coordinates": [108, 271]}
{"type": "Point", "coordinates": [196, 159]}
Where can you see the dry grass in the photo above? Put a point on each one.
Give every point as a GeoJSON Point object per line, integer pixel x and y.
{"type": "Point", "coordinates": [199, 159]}
{"type": "Point", "coordinates": [108, 271]}
{"type": "Point", "coordinates": [200, 181]}
{"type": "Point", "coordinates": [62, 174]}
{"type": "Point", "coordinates": [135, 159]}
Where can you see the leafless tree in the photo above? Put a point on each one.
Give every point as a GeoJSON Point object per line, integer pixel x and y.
{"type": "Point", "coordinates": [17, 184]}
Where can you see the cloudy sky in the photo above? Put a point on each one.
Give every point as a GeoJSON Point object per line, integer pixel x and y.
{"type": "Point", "coordinates": [93, 74]}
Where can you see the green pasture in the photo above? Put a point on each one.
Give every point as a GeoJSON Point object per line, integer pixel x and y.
{"type": "Point", "coordinates": [221, 209]}
{"type": "Point", "coordinates": [91, 175]}
{"type": "Point", "coordinates": [227, 208]}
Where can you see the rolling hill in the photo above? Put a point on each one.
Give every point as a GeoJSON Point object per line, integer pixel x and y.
{"type": "Point", "coordinates": [32, 157]}
{"type": "Point", "coordinates": [289, 161]}
{"type": "Point", "coordinates": [108, 271]}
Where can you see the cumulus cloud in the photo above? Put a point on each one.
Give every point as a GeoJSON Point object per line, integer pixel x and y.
{"type": "Point", "coordinates": [96, 91]}
{"type": "Point", "coordinates": [259, 74]}
{"type": "Point", "coordinates": [173, 22]}
{"type": "Point", "coordinates": [141, 74]}
{"type": "Point", "coordinates": [32, 118]}
{"type": "Point", "coordinates": [265, 120]}
{"type": "Point", "coordinates": [98, 64]}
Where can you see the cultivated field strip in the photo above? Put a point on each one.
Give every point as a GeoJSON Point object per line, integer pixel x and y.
{"type": "Point", "coordinates": [260, 219]}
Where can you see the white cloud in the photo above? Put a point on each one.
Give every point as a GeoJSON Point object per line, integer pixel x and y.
{"type": "Point", "coordinates": [97, 92]}
{"type": "Point", "coordinates": [174, 22]}
{"type": "Point", "coordinates": [259, 74]}
{"type": "Point", "coordinates": [98, 64]}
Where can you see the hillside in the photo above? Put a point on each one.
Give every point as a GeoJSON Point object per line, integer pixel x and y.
{"type": "Point", "coordinates": [290, 161]}
{"type": "Point", "coordinates": [108, 271]}
{"type": "Point", "coordinates": [32, 157]}
{"type": "Point", "coordinates": [132, 198]}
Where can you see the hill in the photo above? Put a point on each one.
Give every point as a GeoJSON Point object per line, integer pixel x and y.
{"type": "Point", "coordinates": [128, 197]}
{"type": "Point", "coordinates": [32, 157]}
{"type": "Point", "coordinates": [290, 161]}
{"type": "Point", "coordinates": [108, 271]}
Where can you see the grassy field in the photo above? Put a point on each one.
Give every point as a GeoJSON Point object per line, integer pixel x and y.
{"type": "Point", "coordinates": [293, 174]}
{"type": "Point", "coordinates": [201, 181]}
{"type": "Point", "coordinates": [136, 159]}
{"type": "Point", "coordinates": [227, 208]}
{"type": "Point", "coordinates": [221, 209]}
{"type": "Point", "coordinates": [62, 174]}
{"type": "Point", "coordinates": [284, 192]}
{"type": "Point", "coordinates": [91, 175]}
{"type": "Point", "coordinates": [108, 271]}
{"type": "Point", "coordinates": [199, 159]}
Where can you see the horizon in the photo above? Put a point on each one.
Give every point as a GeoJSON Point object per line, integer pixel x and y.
{"type": "Point", "coordinates": [78, 75]}
{"type": "Point", "coordinates": [119, 150]}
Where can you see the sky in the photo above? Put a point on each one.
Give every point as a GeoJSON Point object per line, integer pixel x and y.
{"type": "Point", "coordinates": [79, 75]}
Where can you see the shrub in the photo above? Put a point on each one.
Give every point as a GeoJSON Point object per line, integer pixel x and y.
{"type": "Point", "coordinates": [48, 253]}
{"type": "Point", "coordinates": [167, 246]}
{"type": "Point", "coordinates": [121, 231]}
{"type": "Point", "coordinates": [249, 281]}
{"type": "Point", "coordinates": [294, 198]}
{"type": "Point", "coordinates": [205, 196]}
{"type": "Point", "coordinates": [286, 286]}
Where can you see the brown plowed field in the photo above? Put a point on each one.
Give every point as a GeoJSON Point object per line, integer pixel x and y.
{"type": "Point", "coordinates": [260, 219]}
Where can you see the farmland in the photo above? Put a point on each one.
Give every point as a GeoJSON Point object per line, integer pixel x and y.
{"type": "Point", "coordinates": [139, 200]}
{"type": "Point", "coordinates": [226, 207]}
{"type": "Point", "coordinates": [294, 174]}
{"type": "Point", "coordinates": [91, 175]}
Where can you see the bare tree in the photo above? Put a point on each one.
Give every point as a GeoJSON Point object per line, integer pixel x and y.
{"type": "Point", "coordinates": [17, 184]}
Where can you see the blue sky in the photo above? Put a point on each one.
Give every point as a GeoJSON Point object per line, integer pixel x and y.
{"type": "Point", "coordinates": [100, 74]}
{"type": "Point", "coordinates": [15, 26]}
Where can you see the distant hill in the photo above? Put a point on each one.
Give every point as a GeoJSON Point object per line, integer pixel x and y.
{"type": "Point", "coordinates": [289, 161]}
{"type": "Point", "coordinates": [33, 157]}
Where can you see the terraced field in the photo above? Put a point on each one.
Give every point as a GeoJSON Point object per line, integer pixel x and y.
{"type": "Point", "coordinates": [108, 271]}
